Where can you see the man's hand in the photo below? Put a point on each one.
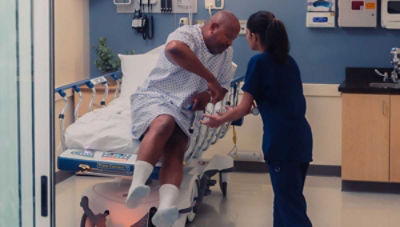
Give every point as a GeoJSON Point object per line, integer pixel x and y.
{"type": "Point", "coordinates": [200, 100]}
{"type": "Point", "coordinates": [217, 92]}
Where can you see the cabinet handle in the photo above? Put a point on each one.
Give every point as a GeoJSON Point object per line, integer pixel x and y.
{"type": "Point", "coordinates": [384, 108]}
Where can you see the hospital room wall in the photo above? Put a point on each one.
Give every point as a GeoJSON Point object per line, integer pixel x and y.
{"type": "Point", "coordinates": [322, 53]}
{"type": "Point", "coordinates": [71, 51]}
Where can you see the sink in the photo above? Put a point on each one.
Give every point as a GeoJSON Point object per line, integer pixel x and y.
{"type": "Point", "coordinates": [385, 85]}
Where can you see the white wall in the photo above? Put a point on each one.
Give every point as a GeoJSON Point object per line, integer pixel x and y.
{"type": "Point", "coordinates": [72, 50]}
{"type": "Point", "coordinates": [324, 113]}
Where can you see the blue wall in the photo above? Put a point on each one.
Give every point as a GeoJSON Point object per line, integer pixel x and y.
{"type": "Point", "coordinates": [322, 54]}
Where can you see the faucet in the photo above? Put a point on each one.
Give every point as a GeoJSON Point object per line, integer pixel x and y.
{"type": "Point", "coordinates": [395, 74]}
{"type": "Point", "coordinates": [396, 64]}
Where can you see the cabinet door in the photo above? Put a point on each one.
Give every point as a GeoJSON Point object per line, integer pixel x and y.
{"type": "Point", "coordinates": [395, 138]}
{"type": "Point", "coordinates": [365, 143]}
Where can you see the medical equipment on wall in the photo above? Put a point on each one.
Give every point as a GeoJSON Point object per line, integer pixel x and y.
{"type": "Point", "coordinates": [158, 6]}
{"type": "Point", "coordinates": [122, 2]}
{"type": "Point", "coordinates": [390, 14]}
{"type": "Point", "coordinates": [125, 6]}
{"type": "Point", "coordinates": [320, 13]}
{"type": "Point", "coordinates": [356, 13]}
{"type": "Point", "coordinates": [144, 22]}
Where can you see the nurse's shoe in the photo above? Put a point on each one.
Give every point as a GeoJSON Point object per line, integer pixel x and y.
{"type": "Point", "coordinates": [136, 195]}
{"type": "Point", "coordinates": [165, 217]}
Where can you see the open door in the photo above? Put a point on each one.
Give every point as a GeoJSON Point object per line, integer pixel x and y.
{"type": "Point", "coordinates": [26, 197]}
{"type": "Point", "coordinates": [43, 86]}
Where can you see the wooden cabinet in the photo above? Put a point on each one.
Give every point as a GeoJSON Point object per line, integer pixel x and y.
{"type": "Point", "coordinates": [365, 142]}
{"type": "Point", "coordinates": [395, 138]}
{"type": "Point", "coordinates": [87, 94]}
{"type": "Point", "coordinates": [370, 143]}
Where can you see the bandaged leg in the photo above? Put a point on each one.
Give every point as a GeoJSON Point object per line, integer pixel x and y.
{"type": "Point", "coordinates": [139, 189]}
{"type": "Point", "coordinates": [167, 212]}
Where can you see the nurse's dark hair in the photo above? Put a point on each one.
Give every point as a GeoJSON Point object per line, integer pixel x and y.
{"type": "Point", "coordinates": [272, 33]}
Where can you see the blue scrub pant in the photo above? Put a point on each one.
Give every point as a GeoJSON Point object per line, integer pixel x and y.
{"type": "Point", "coordinates": [290, 206]}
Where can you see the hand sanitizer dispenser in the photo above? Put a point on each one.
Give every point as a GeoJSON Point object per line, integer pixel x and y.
{"type": "Point", "coordinates": [320, 14]}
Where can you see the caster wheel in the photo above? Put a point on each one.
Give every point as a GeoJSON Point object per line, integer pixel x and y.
{"type": "Point", "coordinates": [195, 205]}
{"type": "Point", "coordinates": [223, 185]}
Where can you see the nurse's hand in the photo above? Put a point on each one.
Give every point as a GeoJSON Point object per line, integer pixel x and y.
{"type": "Point", "coordinates": [217, 91]}
{"type": "Point", "coordinates": [212, 121]}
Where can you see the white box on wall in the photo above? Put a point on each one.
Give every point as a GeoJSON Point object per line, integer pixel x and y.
{"type": "Point", "coordinates": [390, 14]}
{"type": "Point", "coordinates": [356, 13]}
{"type": "Point", "coordinates": [320, 20]}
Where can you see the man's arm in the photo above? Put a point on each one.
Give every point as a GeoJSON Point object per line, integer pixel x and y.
{"type": "Point", "coordinates": [180, 54]}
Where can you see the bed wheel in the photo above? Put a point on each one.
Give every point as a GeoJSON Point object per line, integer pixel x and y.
{"type": "Point", "coordinates": [150, 215]}
{"type": "Point", "coordinates": [223, 184]}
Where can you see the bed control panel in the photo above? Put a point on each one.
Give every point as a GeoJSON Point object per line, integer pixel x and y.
{"type": "Point", "coordinates": [84, 153]}
{"type": "Point", "coordinates": [115, 156]}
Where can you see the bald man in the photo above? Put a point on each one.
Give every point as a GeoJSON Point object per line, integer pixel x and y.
{"type": "Point", "coordinates": [194, 68]}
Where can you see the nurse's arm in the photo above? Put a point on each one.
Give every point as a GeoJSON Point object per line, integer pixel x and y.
{"type": "Point", "coordinates": [233, 113]}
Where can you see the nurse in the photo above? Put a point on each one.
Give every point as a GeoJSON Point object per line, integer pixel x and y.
{"type": "Point", "coordinates": [273, 85]}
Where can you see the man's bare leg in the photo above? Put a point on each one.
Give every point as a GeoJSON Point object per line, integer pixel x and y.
{"type": "Point", "coordinates": [171, 176]}
{"type": "Point", "coordinates": [150, 150]}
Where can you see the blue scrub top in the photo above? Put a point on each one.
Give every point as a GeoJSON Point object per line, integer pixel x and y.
{"type": "Point", "coordinates": [278, 92]}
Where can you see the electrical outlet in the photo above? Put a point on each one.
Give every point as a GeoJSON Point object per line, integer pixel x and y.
{"type": "Point", "coordinates": [243, 26]}
{"type": "Point", "coordinates": [209, 3]}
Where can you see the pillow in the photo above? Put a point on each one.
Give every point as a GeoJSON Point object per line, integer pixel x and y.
{"type": "Point", "coordinates": [135, 69]}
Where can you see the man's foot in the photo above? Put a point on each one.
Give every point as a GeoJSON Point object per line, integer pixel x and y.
{"type": "Point", "coordinates": [136, 195]}
{"type": "Point", "coordinates": [165, 217]}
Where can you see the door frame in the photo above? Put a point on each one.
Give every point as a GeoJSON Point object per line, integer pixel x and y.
{"type": "Point", "coordinates": [43, 128]}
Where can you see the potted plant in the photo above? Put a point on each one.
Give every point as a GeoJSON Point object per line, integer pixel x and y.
{"type": "Point", "coordinates": [106, 61]}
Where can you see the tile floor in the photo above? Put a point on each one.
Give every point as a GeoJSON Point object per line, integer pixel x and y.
{"type": "Point", "coordinates": [249, 203]}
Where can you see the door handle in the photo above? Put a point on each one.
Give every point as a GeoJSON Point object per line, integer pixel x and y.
{"type": "Point", "coordinates": [43, 196]}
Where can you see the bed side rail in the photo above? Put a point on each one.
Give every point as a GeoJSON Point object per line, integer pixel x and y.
{"type": "Point", "coordinates": [208, 136]}
{"type": "Point", "coordinates": [76, 87]}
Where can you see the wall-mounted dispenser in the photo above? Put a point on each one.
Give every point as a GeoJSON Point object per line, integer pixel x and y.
{"type": "Point", "coordinates": [321, 5]}
{"type": "Point", "coordinates": [390, 14]}
{"type": "Point", "coordinates": [320, 14]}
{"type": "Point", "coordinates": [357, 13]}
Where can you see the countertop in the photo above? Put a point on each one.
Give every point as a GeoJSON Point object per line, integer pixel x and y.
{"type": "Point", "coordinates": [357, 81]}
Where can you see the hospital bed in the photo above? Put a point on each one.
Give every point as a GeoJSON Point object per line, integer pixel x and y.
{"type": "Point", "coordinates": [99, 143]}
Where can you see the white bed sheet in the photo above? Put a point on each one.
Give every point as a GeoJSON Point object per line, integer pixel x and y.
{"type": "Point", "coordinates": [105, 129]}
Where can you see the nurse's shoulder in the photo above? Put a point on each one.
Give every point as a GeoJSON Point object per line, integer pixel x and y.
{"type": "Point", "coordinates": [260, 60]}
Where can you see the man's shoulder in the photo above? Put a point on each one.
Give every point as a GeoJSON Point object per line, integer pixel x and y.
{"type": "Point", "coordinates": [188, 29]}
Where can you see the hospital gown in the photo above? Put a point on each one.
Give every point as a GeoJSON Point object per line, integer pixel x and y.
{"type": "Point", "coordinates": [169, 89]}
